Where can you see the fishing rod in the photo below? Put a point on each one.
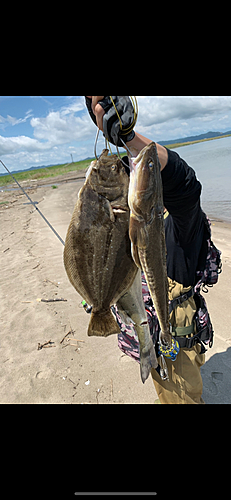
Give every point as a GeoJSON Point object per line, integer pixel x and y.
{"type": "Point", "coordinates": [32, 203]}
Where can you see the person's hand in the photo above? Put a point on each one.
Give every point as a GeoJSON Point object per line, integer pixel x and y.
{"type": "Point", "coordinates": [97, 109]}
{"type": "Point", "coordinates": [114, 115]}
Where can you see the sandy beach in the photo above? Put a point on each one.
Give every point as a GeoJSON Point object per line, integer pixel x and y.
{"type": "Point", "coordinates": [80, 370]}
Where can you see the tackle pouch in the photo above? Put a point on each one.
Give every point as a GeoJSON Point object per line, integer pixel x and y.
{"type": "Point", "coordinates": [213, 267]}
{"type": "Point", "coordinates": [201, 327]}
{"type": "Point", "coordinates": [199, 331]}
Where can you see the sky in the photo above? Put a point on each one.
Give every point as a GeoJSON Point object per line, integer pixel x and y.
{"type": "Point", "coordinates": [46, 130]}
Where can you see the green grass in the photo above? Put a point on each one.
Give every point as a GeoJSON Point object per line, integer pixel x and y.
{"type": "Point", "coordinates": [179, 145]}
{"type": "Point", "coordinates": [43, 173]}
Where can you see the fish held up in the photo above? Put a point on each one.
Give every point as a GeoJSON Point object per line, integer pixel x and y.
{"type": "Point", "coordinates": [147, 231]}
{"type": "Point", "coordinates": [97, 255]}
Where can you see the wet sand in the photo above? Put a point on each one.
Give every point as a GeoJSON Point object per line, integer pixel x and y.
{"type": "Point", "coordinates": [92, 370]}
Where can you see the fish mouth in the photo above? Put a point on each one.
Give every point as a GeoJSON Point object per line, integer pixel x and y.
{"type": "Point", "coordinates": [133, 164]}
{"type": "Point", "coordinates": [118, 209]}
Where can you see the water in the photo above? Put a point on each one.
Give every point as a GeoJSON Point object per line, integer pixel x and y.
{"type": "Point", "coordinates": [212, 163]}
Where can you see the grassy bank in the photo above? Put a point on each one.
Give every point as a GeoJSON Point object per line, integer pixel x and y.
{"type": "Point", "coordinates": [180, 144]}
{"type": "Point", "coordinates": [43, 173]}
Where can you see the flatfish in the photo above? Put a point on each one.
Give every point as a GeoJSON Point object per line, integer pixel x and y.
{"type": "Point", "coordinates": [97, 255]}
{"type": "Point", "coordinates": [98, 258]}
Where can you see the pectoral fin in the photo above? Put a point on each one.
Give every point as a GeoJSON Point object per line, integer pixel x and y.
{"type": "Point", "coordinates": [109, 209]}
{"type": "Point", "coordinates": [135, 256]}
{"type": "Point", "coordinates": [138, 233]}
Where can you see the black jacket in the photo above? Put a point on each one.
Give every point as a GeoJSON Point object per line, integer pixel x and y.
{"type": "Point", "coordinates": [185, 231]}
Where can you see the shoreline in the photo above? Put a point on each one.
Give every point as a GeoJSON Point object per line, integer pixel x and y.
{"type": "Point", "coordinates": [190, 143]}
{"type": "Point", "coordinates": [222, 222]}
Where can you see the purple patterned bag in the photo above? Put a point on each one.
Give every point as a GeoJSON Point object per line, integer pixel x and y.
{"type": "Point", "coordinates": [213, 267]}
{"type": "Point", "coordinates": [128, 340]}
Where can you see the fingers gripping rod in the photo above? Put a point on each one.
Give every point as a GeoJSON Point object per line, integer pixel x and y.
{"type": "Point", "coordinates": [30, 200]}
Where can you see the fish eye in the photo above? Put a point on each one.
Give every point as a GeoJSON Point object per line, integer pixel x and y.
{"type": "Point", "coordinates": [113, 168]}
{"type": "Point", "coordinates": [151, 165]}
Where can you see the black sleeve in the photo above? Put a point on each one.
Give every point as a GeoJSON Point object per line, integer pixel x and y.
{"type": "Point", "coordinates": [182, 190]}
{"type": "Point", "coordinates": [182, 193]}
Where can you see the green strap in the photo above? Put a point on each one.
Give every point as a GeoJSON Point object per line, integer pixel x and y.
{"type": "Point", "coordinates": [182, 332]}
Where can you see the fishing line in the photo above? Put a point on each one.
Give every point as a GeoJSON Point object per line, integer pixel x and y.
{"type": "Point", "coordinates": [32, 203]}
{"type": "Point", "coordinates": [124, 131]}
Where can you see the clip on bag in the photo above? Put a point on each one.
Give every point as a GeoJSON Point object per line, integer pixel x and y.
{"type": "Point", "coordinates": [213, 268]}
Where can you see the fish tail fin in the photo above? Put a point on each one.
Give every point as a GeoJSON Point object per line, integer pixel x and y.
{"type": "Point", "coordinates": [103, 324]}
{"type": "Point", "coordinates": [148, 360]}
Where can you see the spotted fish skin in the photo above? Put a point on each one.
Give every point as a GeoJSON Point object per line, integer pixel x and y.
{"type": "Point", "coordinates": [97, 255]}
{"type": "Point", "coordinates": [147, 232]}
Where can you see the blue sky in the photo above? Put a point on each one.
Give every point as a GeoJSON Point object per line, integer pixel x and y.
{"type": "Point", "coordinates": [44, 130]}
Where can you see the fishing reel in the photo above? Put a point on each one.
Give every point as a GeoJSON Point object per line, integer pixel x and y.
{"type": "Point", "coordinates": [169, 352]}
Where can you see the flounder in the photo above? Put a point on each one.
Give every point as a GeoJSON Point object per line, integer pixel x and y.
{"type": "Point", "coordinates": [98, 259]}
{"type": "Point", "coordinates": [97, 254]}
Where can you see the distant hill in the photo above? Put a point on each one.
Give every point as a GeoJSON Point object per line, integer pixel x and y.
{"type": "Point", "coordinates": [209, 135]}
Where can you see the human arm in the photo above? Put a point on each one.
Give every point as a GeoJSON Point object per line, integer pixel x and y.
{"type": "Point", "coordinates": [139, 142]}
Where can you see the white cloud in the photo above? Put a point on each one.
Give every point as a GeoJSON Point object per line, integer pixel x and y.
{"type": "Point", "coordinates": [10, 145]}
{"type": "Point", "coordinates": [70, 129]}
{"type": "Point", "coordinates": [11, 120]}
{"type": "Point", "coordinates": [153, 111]}
{"type": "Point", "coordinates": [61, 128]}
{"type": "Point", "coordinates": [56, 129]}
{"type": "Point", "coordinates": [166, 118]}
